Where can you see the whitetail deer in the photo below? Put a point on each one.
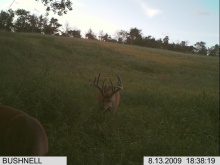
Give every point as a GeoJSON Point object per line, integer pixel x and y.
{"type": "Point", "coordinates": [21, 134]}
{"type": "Point", "coordinates": [109, 96]}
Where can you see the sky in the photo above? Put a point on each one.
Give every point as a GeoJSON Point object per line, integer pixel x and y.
{"type": "Point", "coordinates": [182, 20]}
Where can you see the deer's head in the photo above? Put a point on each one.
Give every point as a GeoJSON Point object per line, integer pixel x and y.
{"type": "Point", "coordinates": [109, 96]}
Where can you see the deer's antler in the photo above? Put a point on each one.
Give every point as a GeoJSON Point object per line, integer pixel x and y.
{"type": "Point", "coordinates": [96, 84]}
{"type": "Point", "coordinates": [116, 88]}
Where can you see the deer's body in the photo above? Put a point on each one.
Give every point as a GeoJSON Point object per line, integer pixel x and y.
{"type": "Point", "coordinates": [109, 102]}
{"type": "Point", "coordinates": [21, 134]}
{"type": "Point", "coordinates": [109, 96]}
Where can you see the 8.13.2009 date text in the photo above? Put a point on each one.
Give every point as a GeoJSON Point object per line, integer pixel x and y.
{"type": "Point", "coordinates": [164, 160]}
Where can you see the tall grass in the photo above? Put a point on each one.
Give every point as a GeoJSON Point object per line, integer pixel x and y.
{"type": "Point", "coordinates": [169, 106]}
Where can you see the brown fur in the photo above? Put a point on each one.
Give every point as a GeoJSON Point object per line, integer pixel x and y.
{"type": "Point", "coordinates": [108, 102]}
{"type": "Point", "coordinates": [21, 134]}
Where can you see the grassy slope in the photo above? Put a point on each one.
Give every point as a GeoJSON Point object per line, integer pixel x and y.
{"type": "Point", "coordinates": [170, 101]}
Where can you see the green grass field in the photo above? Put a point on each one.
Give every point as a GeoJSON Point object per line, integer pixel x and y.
{"type": "Point", "coordinates": [169, 105]}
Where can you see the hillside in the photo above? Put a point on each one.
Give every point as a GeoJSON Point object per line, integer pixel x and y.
{"type": "Point", "coordinates": [169, 106]}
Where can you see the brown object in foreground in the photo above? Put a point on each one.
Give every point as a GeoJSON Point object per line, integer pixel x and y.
{"type": "Point", "coordinates": [21, 134]}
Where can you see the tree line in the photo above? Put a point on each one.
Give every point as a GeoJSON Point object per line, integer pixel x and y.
{"type": "Point", "coordinates": [23, 21]}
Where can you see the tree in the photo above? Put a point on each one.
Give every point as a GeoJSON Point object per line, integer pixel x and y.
{"type": "Point", "coordinates": [53, 26]}
{"type": "Point", "coordinates": [22, 22]}
{"type": "Point", "coordinates": [25, 22]}
{"type": "Point", "coordinates": [90, 35]}
{"type": "Point", "coordinates": [183, 45]}
{"type": "Point", "coordinates": [6, 20]}
{"type": "Point", "coordinates": [171, 46]}
{"type": "Point", "coordinates": [166, 42]}
{"type": "Point", "coordinates": [190, 49]}
{"type": "Point", "coordinates": [122, 36]}
{"type": "Point", "coordinates": [214, 50]}
{"type": "Point", "coordinates": [60, 7]}
{"type": "Point", "coordinates": [107, 37]}
{"type": "Point", "coordinates": [134, 36]}
{"type": "Point", "coordinates": [200, 48]}
{"type": "Point", "coordinates": [149, 41]}
{"type": "Point", "coordinates": [101, 35]}
{"type": "Point", "coordinates": [35, 25]}
{"type": "Point", "coordinates": [74, 33]}
{"type": "Point", "coordinates": [66, 29]}
{"type": "Point", "coordinates": [42, 23]}
{"type": "Point", "coordinates": [159, 43]}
